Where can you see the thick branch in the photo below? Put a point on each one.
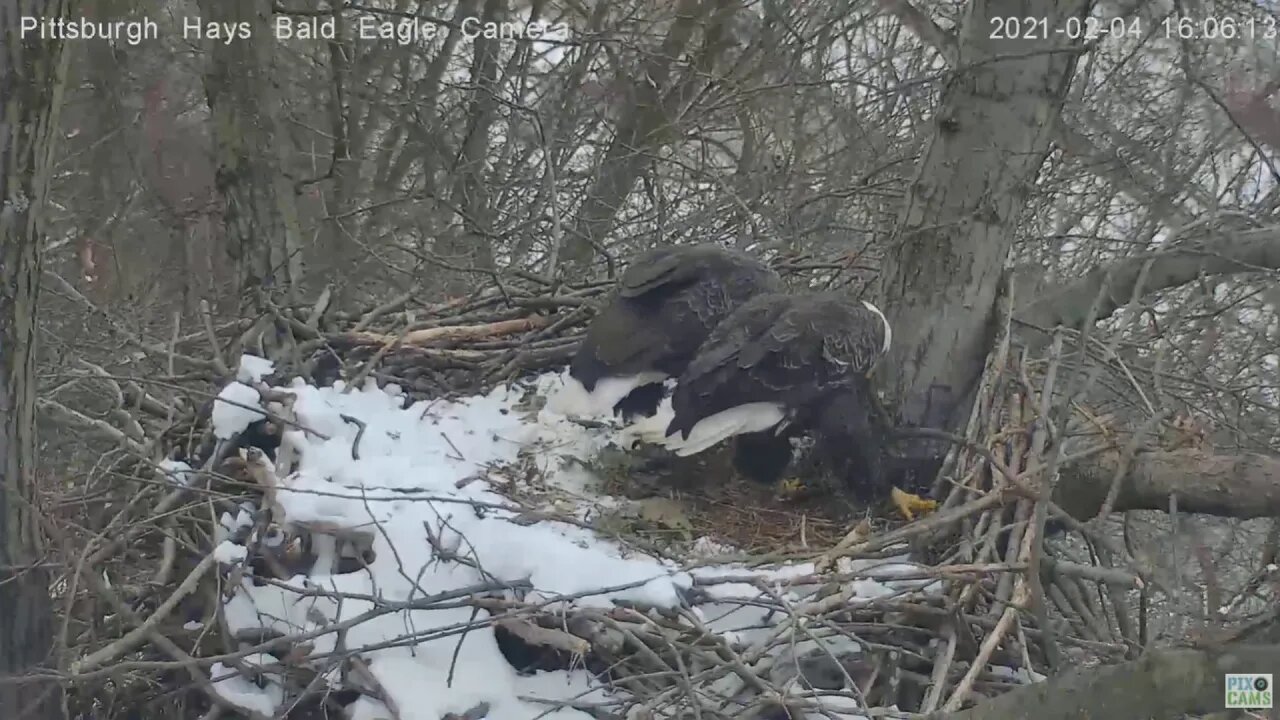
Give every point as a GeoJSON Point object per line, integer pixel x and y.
{"type": "Point", "coordinates": [456, 333]}
{"type": "Point", "coordinates": [1068, 303]}
{"type": "Point", "coordinates": [1246, 485]}
{"type": "Point", "coordinates": [1162, 684]}
{"type": "Point", "coordinates": [247, 121]}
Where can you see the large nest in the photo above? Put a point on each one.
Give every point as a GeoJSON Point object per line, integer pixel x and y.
{"type": "Point", "coordinates": [384, 520]}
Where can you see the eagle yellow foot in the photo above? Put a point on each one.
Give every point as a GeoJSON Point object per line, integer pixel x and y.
{"type": "Point", "coordinates": [792, 488]}
{"type": "Point", "coordinates": [909, 504]}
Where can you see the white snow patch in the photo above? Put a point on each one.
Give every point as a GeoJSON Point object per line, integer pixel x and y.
{"type": "Point", "coordinates": [233, 410]}
{"type": "Point", "coordinates": [244, 693]}
{"type": "Point", "coordinates": [420, 481]}
{"type": "Point", "coordinates": [177, 472]}
{"type": "Point", "coordinates": [253, 368]}
{"type": "Point", "coordinates": [229, 553]}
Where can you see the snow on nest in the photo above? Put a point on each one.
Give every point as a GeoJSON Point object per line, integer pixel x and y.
{"type": "Point", "coordinates": [177, 472]}
{"type": "Point", "coordinates": [428, 476]}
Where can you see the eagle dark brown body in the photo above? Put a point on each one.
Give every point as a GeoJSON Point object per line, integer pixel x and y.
{"type": "Point", "coordinates": [777, 348]}
{"type": "Point", "coordinates": [667, 302]}
{"type": "Point", "coordinates": [781, 365]}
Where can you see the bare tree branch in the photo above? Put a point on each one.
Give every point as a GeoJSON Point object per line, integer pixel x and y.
{"type": "Point", "coordinates": [645, 127]}
{"type": "Point", "coordinates": [1068, 303]}
{"type": "Point", "coordinates": [1243, 485]}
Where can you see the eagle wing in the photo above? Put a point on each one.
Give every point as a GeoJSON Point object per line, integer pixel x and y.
{"type": "Point", "coordinates": [662, 267]}
{"type": "Point", "coordinates": [758, 354]}
{"type": "Point", "coordinates": [667, 302]}
{"type": "Point", "coordinates": [620, 336]}
{"type": "Point", "coordinates": [790, 349]}
{"type": "Point", "coordinates": [674, 267]}
{"type": "Point", "coordinates": [741, 329]}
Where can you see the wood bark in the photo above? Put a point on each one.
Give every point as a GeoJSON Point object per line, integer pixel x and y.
{"type": "Point", "coordinates": [1162, 684]}
{"type": "Point", "coordinates": [32, 77]}
{"type": "Point", "coordinates": [940, 277]}
{"type": "Point", "coordinates": [1242, 485]}
{"type": "Point", "coordinates": [261, 216]}
{"type": "Point", "coordinates": [1138, 182]}
{"type": "Point", "coordinates": [942, 270]}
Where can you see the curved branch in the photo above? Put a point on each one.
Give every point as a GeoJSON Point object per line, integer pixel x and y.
{"type": "Point", "coordinates": [1068, 303]}
{"type": "Point", "coordinates": [1245, 485]}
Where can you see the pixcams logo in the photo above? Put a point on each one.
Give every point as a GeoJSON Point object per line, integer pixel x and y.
{"type": "Point", "coordinates": [1248, 692]}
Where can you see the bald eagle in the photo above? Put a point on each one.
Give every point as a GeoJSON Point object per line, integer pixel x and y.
{"type": "Point", "coordinates": [782, 365]}
{"type": "Point", "coordinates": [667, 302]}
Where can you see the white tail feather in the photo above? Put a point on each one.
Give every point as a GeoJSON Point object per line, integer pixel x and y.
{"type": "Point", "coordinates": [573, 400]}
{"type": "Point", "coordinates": [650, 430]}
{"type": "Point", "coordinates": [749, 418]}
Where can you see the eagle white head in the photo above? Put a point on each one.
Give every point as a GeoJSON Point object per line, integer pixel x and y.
{"type": "Point", "coordinates": [888, 331]}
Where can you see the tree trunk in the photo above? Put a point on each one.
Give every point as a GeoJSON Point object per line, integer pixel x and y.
{"type": "Point", "coordinates": [32, 75]}
{"type": "Point", "coordinates": [942, 270]}
{"type": "Point", "coordinates": [263, 235]}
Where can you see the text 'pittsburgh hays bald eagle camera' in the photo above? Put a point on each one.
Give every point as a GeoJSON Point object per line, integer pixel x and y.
{"type": "Point", "coordinates": [751, 363]}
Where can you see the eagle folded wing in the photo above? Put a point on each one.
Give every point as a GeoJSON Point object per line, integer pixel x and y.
{"type": "Point", "coordinates": [667, 266]}
{"type": "Point", "coordinates": [666, 304]}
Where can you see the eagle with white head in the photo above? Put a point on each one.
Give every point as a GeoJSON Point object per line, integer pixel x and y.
{"type": "Point", "coordinates": [781, 365]}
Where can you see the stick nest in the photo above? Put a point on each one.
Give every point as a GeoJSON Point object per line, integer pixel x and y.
{"type": "Point", "coordinates": [1008, 607]}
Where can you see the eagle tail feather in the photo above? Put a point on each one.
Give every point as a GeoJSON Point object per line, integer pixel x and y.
{"type": "Point", "coordinates": [575, 400]}
{"type": "Point", "coordinates": [748, 418]}
{"type": "Point", "coordinates": [651, 430]}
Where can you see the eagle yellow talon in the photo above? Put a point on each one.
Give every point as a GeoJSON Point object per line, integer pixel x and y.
{"type": "Point", "coordinates": [791, 488]}
{"type": "Point", "coordinates": [909, 504]}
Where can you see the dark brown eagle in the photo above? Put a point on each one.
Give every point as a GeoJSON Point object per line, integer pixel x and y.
{"type": "Point", "coordinates": [666, 304]}
{"type": "Point", "coordinates": [782, 365]}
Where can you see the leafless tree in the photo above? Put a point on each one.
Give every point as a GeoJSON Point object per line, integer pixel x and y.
{"type": "Point", "coordinates": [32, 79]}
{"type": "Point", "coordinates": [1042, 200]}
